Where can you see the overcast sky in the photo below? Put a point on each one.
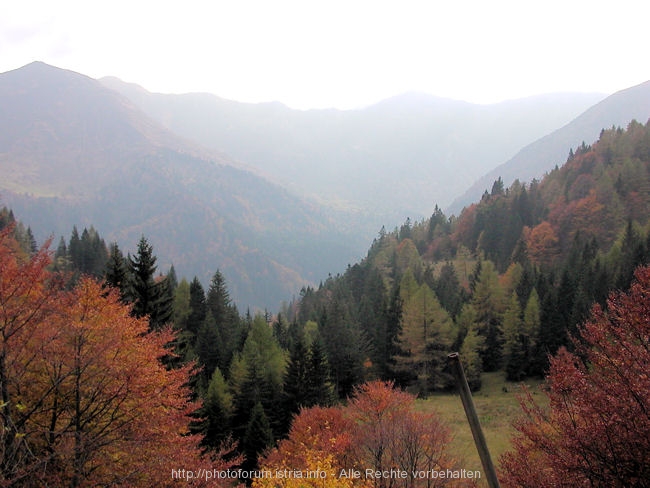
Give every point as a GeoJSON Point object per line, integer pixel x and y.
{"type": "Point", "coordinates": [344, 54]}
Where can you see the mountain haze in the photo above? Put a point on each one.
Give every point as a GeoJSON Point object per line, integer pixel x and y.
{"type": "Point", "coordinates": [76, 153]}
{"type": "Point", "coordinates": [391, 160]}
{"type": "Point", "coordinates": [542, 155]}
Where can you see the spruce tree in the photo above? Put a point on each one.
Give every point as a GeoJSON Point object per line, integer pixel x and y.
{"type": "Point", "coordinates": [148, 297]}
{"type": "Point", "coordinates": [226, 317]}
{"type": "Point", "coordinates": [198, 308]}
{"type": "Point", "coordinates": [116, 270]}
{"type": "Point", "coordinates": [207, 346]}
{"type": "Point", "coordinates": [295, 390]}
{"type": "Point", "coordinates": [74, 249]}
{"type": "Point", "coordinates": [31, 241]}
{"type": "Point", "coordinates": [448, 289]}
{"type": "Point", "coordinates": [393, 319]}
{"type": "Point", "coordinates": [320, 390]}
{"type": "Point", "coordinates": [257, 438]}
{"type": "Point", "coordinates": [216, 413]}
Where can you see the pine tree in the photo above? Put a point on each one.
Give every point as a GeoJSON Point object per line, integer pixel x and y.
{"type": "Point", "coordinates": [514, 354]}
{"type": "Point", "coordinates": [163, 311]}
{"type": "Point", "coordinates": [257, 438]}
{"type": "Point", "coordinates": [295, 394]}
{"type": "Point", "coordinates": [173, 279]}
{"type": "Point", "coordinates": [448, 289]}
{"type": "Point", "coordinates": [320, 390]}
{"type": "Point", "coordinates": [393, 321]}
{"type": "Point", "coordinates": [148, 297]}
{"type": "Point", "coordinates": [181, 303]}
{"type": "Point", "coordinates": [116, 271]}
{"type": "Point", "coordinates": [208, 347]}
{"type": "Point", "coordinates": [74, 249]}
{"type": "Point", "coordinates": [226, 317]}
{"type": "Point", "coordinates": [31, 241]}
{"type": "Point", "coordinates": [256, 376]}
{"type": "Point", "coordinates": [61, 261]}
{"type": "Point", "coordinates": [216, 414]}
{"type": "Point", "coordinates": [552, 332]}
{"type": "Point", "coordinates": [198, 308]}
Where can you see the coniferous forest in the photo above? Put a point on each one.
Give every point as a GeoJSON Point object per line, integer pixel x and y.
{"type": "Point", "coordinates": [536, 280]}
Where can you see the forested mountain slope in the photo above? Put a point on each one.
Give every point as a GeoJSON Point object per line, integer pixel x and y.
{"type": "Point", "coordinates": [388, 161]}
{"type": "Point", "coordinates": [505, 282]}
{"type": "Point", "coordinates": [73, 152]}
{"type": "Point", "coordinates": [542, 155]}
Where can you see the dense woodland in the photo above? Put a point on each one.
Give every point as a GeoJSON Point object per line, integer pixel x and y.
{"type": "Point", "coordinates": [507, 283]}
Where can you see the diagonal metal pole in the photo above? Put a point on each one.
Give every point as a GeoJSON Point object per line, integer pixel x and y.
{"type": "Point", "coordinates": [470, 411]}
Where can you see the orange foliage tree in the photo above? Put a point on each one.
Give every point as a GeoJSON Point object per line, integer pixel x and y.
{"type": "Point", "coordinates": [85, 399]}
{"type": "Point", "coordinates": [542, 243]}
{"type": "Point", "coordinates": [315, 451]}
{"type": "Point", "coordinates": [597, 429]}
{"type": "Point", "coordinates": [379, 430]}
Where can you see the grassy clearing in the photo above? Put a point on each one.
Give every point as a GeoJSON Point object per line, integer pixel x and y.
{"type": "Point", "coordinates": [497, 406]}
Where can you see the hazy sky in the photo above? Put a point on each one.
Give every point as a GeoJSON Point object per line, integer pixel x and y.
{"type": "Point", "coordinates": [315, 54]}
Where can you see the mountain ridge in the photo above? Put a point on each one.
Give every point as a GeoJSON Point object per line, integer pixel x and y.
{"type": "Point", "coordinates": [533, 160]}
{"type": "Point", "coordinates": [76, 153]}
{"type": "Point", "coordinates": [390, 160]}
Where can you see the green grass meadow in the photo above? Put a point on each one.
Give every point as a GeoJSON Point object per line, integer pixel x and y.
{"type": "Point", "coordinates": [497, 406]}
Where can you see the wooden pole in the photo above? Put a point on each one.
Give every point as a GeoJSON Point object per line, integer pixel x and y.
{"type": "Point", "coordinates": [470, 411]}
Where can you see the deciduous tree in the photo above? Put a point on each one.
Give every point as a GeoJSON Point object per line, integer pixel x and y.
{"type": "Point", "coordinates": [86, 400]}
{"type": "Point", "coordinates": [379, 429]}
{"type": "Point", "coordinates": [597, 430]}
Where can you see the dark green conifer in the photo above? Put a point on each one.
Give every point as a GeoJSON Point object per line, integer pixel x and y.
{"type": "Point", "coordinates": [295, 390]}
{"type": "Point", "coordinates": [257, 438]}
{"type": "Point", "coordinates": [198, 307]}
{"type": "Point", "coordinates": [149, 298]}
{"type": "Point", "coordinates": [116, 270]}
{"type": "Point", "coordinates": [320, 390]}
{"type": "Point", "coordinates": [207, 346]}
{"type": "Point", "coordinates": [216, 414]}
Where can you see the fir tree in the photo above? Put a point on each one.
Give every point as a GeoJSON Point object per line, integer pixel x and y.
{"type": "Point", "coordinates": [257, 438]}
{"type": "Point", "coordinates": [31, 241]}
{"type": "Point", "coordinates": [320, 390]}
{"type": "Point", "coordinates": [198, 308]}
{"type": "Point", "coordinates": [295, 393]}
{"type": "Point", "coordinates": [207, 346]}
{"type": "Point", "coordinates": [148, 297]}
{"type": "Point", "coordinates": [116, 270]}
{"type": "Point", "coordinates": [216, 414]}
{"type": "Point", "coordinates": [226, 317]}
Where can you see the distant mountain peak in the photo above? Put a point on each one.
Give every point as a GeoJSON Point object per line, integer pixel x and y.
{"type": "Point", "coordinates": [542, 155]}
{"type": "Point", "coordinates": [74, 152]}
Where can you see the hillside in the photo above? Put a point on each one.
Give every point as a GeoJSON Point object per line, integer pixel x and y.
{"type": "Point", "coordinates": [542, 155]}
{"type": "Point", "coordinates": [76, 153]}
{"type": "Point", "coordinates": [388, 161]}
{"type": "Point", "coordinates": [505, 283]}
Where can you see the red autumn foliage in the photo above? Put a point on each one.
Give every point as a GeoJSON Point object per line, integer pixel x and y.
{"type": "Point", "coordinates": [379, 430]}
{"type": "Point", "coordinates": [597, 430]}
{"type": "Point", "coordinates": [85, 400]}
